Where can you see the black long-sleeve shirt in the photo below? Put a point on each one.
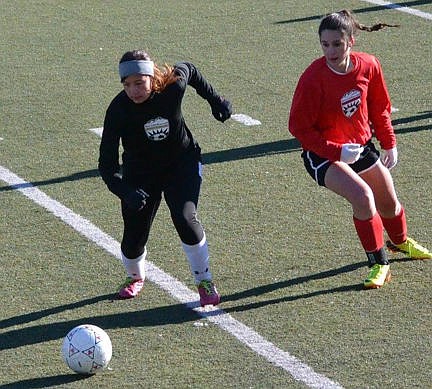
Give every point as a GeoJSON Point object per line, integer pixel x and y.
{"type": "Point", "coordinates": [153, 134]}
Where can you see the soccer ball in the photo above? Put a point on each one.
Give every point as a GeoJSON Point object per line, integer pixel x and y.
{"type": "Point", "coordinates": [87, 349]}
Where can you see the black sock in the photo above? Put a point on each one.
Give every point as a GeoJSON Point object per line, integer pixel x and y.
{"type": "Point", "coordinates": [378, 256]}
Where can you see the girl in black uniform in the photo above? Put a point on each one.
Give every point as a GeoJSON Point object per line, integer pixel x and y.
{"type": "Point", "coordinates": [159, 156]}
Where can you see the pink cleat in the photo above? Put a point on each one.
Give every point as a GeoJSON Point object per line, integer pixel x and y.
{"type": "Point", "coordinates": [208, 293]}
{"type": "Point", "coordinates": [130, 288]}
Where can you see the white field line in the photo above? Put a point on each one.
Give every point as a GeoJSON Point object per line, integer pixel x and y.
{"type": "Point", "coordinates": [297, 369]}
{"type": "Point", "coordinates": [245, 119]}
{"type": "Point", "coordinates": [401, 8]}
{"type": "Point", "coordinates": [97, 131]}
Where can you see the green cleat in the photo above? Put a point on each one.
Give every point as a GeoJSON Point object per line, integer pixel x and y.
{"type": "Point", "coordinates": [411, 248]}
{"type": "Point", "coordinates": [377, 277]}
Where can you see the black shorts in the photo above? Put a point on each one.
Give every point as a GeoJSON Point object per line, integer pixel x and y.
{"type": "Point", "coordinates": [180, 185]}
{"type": "Point", "coordinates": [317, 166]}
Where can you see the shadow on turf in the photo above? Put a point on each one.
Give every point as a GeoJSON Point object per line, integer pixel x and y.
{"type": "Point", "coordinates": [359, 10]}
{"type": "Point", "coordinates": [29, 317]}
{"type": "Point", "coordinates": [45, 382]}
{"type": "Point", "coordinates": [171, 314]}
{"type": "Point", "coordinates": [245, 152]}
{"type": "Point", "coordinates": [260, 290]}
{"type": "Point", "coordinates": [254, 151]}
{"type": "Point", "coordinates": [259, 304]}
{"type": "Point", "coordinates": [421, 116]}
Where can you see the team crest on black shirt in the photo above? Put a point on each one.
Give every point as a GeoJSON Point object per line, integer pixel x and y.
{"type": "Point", "coordinates": [350, 102]}
{"type": "Point", "coordinates": [157, 129]}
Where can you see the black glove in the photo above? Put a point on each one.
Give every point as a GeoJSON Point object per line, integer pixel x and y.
{"type": "Point", "coordinates": [136, 199]}
{"type": "Point", "coordinates": [221, 109]}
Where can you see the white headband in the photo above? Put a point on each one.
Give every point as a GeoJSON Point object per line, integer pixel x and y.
{"type": "Point", "coordinates": [136, 67]}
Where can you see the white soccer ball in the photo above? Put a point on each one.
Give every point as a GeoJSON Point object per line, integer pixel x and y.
{"type": "Point", "coordinates": [87, 349]}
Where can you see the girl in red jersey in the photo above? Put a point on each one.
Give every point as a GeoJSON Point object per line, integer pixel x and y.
{"type": "Point", "coordinates": [338, 99]}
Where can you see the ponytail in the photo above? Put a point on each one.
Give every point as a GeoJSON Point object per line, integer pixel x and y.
{"type": "Point", "coordinates": [345, 22]}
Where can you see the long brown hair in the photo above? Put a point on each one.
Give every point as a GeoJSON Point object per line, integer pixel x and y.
{"type": "Point", "coordinates": [162, 76]}
{"type": "Point", "coordinates": [345, 22]}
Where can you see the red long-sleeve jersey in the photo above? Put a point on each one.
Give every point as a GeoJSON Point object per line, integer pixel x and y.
{"type": "Point", "coordinates": [330, 109]}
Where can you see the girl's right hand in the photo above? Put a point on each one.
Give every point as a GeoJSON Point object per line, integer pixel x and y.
{"type": "Point", "coordinates": [351, 152]}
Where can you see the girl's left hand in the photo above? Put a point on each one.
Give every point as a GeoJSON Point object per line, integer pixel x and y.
{"type": "Point", "coordinates": [389, 158]}
{"type": "Point", "coordinates": [222, 109]}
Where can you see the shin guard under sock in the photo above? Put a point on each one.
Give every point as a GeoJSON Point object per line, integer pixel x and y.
{"type": "Point", "coordinates": [135, 267]}
{"type": "Point", "coordinates": [370, 233]}
{"type": "Point", "coordinates": [198, 258]}
{"type": "Point", "coordinates": [379, 256]}
{"type": "Point", "coordinates": [396, 227]}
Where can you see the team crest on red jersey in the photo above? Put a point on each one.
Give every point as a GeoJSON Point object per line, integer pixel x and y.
{"type": "Point", "coordinates": [350, 102]}
{"type": "Point", "coordinates": [157, 129]}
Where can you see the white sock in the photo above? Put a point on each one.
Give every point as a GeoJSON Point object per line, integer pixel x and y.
{"type": "Point", "coordinates": [135, 267]}
{"type": "Point", "coordinates": [198, 258]}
